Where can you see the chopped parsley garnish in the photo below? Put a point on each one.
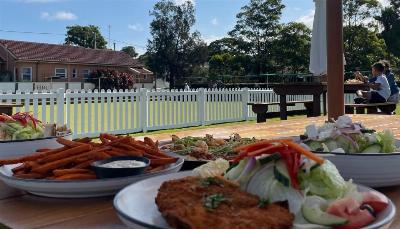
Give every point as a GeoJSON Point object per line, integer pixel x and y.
{"type": "Point", "coordinates": [262, 203]}
{"type": "Point", "coordinates": [210, 181]}
{"type": "Point", "coordinates": [212, 202]}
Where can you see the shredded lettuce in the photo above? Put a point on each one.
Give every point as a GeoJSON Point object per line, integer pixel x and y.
{"type": "Point", "coordinates": [387, 141]}
{"type": "Point", "coordinates": [324, 181]}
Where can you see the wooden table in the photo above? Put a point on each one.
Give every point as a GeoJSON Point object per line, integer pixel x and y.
{"type": "Point", "coordinates": [7, 108]}
{"type": "Point", "coordinates": [314, 89]}
{"type": "Point", "coordinates": [21, 210]}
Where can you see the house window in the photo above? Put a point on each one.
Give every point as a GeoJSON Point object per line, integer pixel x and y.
{"type": "Point", "coordinates": [74, 73]}
{"type": "Point", "coordinates": [61, 72]}
{"type": "Point", "coordinates": [86, 73]}
{"type": "Point", "coordinates": [26, 74]}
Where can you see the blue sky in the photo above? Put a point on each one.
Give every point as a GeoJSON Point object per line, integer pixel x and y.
{"type": "Point", "coordinates": [129, 19]}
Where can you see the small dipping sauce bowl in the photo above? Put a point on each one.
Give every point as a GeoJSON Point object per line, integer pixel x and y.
{"type": "Point", "coordinates": [120, 166]}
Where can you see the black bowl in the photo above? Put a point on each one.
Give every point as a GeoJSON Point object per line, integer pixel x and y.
{"type": "Point", "coordinates": [103, 172]}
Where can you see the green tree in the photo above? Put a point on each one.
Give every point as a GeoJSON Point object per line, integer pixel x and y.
{"type": "Point", "coordinates": [258, 24]}
{"type": "Point", "coordinates": [228, 45]}
{"type": "Point", "coordinates": [173, 46]}
{"type": "Point", "coordinates": [85, 36]}
{"type": "Point", "coordinates": [367, 48]}
{"type": "Point", "coordinates": [292, 48]}
{"type": "Point", "coordinates": [130, 50]}
{"type": "Point", "coordinates": [390, 20]}
{"type": "Point", "coordinates": [357, 12]}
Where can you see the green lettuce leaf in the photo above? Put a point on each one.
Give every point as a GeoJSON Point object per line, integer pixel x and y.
{"type": "Point", "coordinates": [324, 181]}
{"type": "Point", "coordinates": [387, 141]}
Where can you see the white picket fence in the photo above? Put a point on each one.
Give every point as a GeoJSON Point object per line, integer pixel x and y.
{"type": "Point", "coordinates": [89, 113]}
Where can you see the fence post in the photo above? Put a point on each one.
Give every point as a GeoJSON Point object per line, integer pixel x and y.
{"type": "Point", "coordinates": [60, 107]}
{"type": "Point", "coordinates": [202, 106]}
{"type": "Point", "coordinates": [144, 107]}
{"type": "Point", "coordinates": [245, 100]}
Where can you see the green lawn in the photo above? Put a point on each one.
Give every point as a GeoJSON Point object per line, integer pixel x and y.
{"type": "Point", "coordinates": [99, 117]}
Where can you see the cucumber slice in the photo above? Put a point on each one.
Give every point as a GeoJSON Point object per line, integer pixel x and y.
{"type": "Point", "coordinates": [266, 160]}
{"type": "Point", "coordinates": [313, 211]}
{"type": "Point", "coordinates": [281, 174]}
{"type": "Point", "coordinates": [375, 148]}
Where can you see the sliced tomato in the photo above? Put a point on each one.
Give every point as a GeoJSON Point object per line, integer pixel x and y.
{"type": "Point", "coordinates": [376, 200]}
{"type": "Point", "coordinates": [349, 209]}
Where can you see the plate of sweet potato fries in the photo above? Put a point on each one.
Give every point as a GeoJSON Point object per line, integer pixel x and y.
{"type": "Point", "coordinates": [66, 171]}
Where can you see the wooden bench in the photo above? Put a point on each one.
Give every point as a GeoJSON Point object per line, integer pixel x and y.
{"type": "Point", "coordinates": [261, 109]}
{"type": "Point", "coordinates": [370, 108]}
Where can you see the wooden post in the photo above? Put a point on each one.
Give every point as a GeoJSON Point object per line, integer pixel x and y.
{"type": "Point", "coordinates": [335, 71]}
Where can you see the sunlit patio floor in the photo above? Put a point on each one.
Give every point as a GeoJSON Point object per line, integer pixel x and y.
{"type": "Point", "coordinates": [291, 127]}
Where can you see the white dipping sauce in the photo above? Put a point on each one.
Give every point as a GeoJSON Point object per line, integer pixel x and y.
{"type": "Point", "coordinates": [124, 164]}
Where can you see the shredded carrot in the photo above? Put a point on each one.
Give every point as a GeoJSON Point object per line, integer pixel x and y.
{"type": "Point", "coordinates": [266, 150]}
{"type": "Point", "coordinates": [255, 145]}
{"type": "Point", "coordinates": [304, 152]}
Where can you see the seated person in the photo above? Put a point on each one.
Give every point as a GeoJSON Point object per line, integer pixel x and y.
{"type": "Point", "coordinates": [380, 88]}
{"type": "Point", "coordinates": [365, 79]}
{"type": "Point", "coordinates": [394, 95]}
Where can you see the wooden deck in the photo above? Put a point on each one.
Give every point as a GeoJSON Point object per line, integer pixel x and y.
{"type": "Point", "coordinates": [291, 127]}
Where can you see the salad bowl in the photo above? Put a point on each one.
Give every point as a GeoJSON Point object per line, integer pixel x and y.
{"type": "Point", "coordinates": [372, 169]}
{"type": "Point", "coordinates": [367, 156]}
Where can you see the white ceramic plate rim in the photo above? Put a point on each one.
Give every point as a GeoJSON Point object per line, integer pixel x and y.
{"type": "Point", "coordinates": [125, 216]}
{"type": "Point", "coordinates": [5, 176]}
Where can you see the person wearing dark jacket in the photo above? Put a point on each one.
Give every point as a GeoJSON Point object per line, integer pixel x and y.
{"type": "Point", "coordinates": [394, 90]}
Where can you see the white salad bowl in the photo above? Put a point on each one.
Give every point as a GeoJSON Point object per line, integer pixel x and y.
{"type": "Point", "coordinates": [370, 169]}
{"type": "Point", "coordinates": [18, 148]}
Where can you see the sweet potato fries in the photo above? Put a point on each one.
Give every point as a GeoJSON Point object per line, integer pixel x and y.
{"type": "Point", "coordinates": [72, 161]}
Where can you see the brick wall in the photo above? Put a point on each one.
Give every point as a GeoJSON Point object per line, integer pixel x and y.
{"type": "Point", "coordinates": [41, 72]}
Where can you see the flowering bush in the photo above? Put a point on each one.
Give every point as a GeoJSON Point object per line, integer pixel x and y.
{"type": "Point", "coordinates": [112, 79]}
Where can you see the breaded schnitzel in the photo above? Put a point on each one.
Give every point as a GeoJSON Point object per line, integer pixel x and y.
{"type": "Point", "coordinates": [215, 203]}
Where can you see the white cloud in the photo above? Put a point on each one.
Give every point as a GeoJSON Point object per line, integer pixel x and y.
{"type": "Point", "coordinates": [60, 16]}
{"type": "Point", "coordinates": [214, 22]}
{"type": "Point", "coordinates": [384, 3]}
{"type": "Point", "coordinates": [307, 19]}
{"type": "Point", "coordinates": [135, 27]}
{"type": "Point", "coordinates": [180, 2]}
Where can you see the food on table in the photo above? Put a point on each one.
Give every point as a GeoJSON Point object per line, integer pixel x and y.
{"type": "Point", "coordinates": [344, 136]}
{"type": "Point", "coordinates": [73, 160]}
{"type": "Point", "coordinates": [23, 125]}
{"type": "Point", "coordinates": [214, 202]}
{"type": "Point", "coordinates": [208, 147]}
{"type": "Point", "coordinates": [353, 81]}
{"type": "Point", "coordinates": [124, 164]}
{"type": "Point", "coordinates": [213, 168]}
{"type": "Point", "coordinates": [281, 170]}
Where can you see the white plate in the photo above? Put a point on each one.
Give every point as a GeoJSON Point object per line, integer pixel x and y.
{"type": "Point", "coordinates": [77, 189]}
{"type": "Point", "coordinates": [136, 206]}
{"type": "Point", "coordinates": [18, 148]}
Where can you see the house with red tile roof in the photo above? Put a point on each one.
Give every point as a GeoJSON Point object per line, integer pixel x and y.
{"type": "Point", "coordinates": [40, 62]}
